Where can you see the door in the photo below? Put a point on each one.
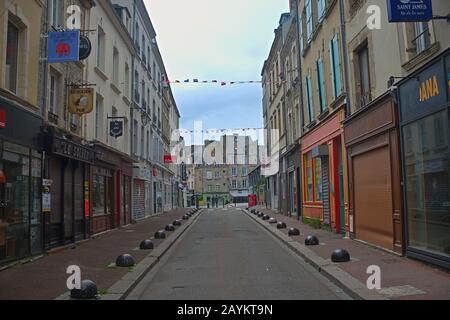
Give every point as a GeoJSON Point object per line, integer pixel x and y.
{"type": "Point", "coordinates": [341, 189]}
{"type": "Point", "coordinates": [291, 193]}
{"type": "Point", "coordinates": [68, 201]}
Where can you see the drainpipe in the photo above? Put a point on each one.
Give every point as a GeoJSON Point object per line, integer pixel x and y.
{"type": "Point", "coordinates": [132, 83]}
{"type": "Point", "coordinates": [301, 122]}
{"type": "Point", "coordinates": [345, 58]}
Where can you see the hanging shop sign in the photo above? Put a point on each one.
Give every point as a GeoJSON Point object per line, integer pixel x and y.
{"type": "Point", "coordinates": [116, 128]}
{"type": "Point", "coordinates": [81, 100]}
{"type": "Point", "coordinates": [85, 48]}
{"type": "Point", "coordinates": [63, 46]}
{"type": "Point", "coordinates": [409, 10]}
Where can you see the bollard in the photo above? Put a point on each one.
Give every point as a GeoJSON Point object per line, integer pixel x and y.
{"type": "Point", "coordinates": [281, 225]}
{"type": "Point", "coordinates": [272, 220]}
{"type": "Point", "coordinates": [293, 232]}
{"type": "Point", "coordinates": [160, 234]}
{"type": "Point", "coordinates": [170, 227]}
{"type": "Point", "coordinates": [266, 217]}
{"type": "Point", "coordinates": [88, 290]}
{"type": "Point", "coordinates": [177, 223]}
{"type": "Point", "coordinates": [185, 217]}
{"type": "Point", "coordinates": [125, 260]}
{"type": "Point", "coordinates": [311, 241]}
{"type": "Point", "coordinates": [146, 245]}
{"type": "Point", "coordinates": [340, 255]}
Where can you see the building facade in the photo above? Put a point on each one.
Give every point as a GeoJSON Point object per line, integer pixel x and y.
{"type": "Point", "coordinates": [21, 153]}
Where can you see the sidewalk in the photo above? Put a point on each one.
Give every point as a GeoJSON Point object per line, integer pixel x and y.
{"type": "Point", "coordinates": [45, 278]}
{"type": "Point", "coordinates": [401, 278]}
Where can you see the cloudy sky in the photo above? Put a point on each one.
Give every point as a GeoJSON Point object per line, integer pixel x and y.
{"type": "Point", "coordinates": [224, 40]}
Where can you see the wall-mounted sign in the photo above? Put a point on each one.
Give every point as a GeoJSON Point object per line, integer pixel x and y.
{"type": "Point", "coordinates": [46, 195]}
{"type": "Point", "coordinates": [142, 173]}
{"type": "Point", "coordinates": [169, 158]}
{"type": "Point", "coordinates": [116, 128]}
{"type": "Point", "coordinates": [72, 150]}
{"type": "Point", "coordinates": [63, 46]}
{"type": "Point", "coordinates": [2, 119]}
{"type": "Point", "coordinates": [85, 48]}
{"type": "Point", "coordinates": [409, 10]}
{"type": "Point", "coordinates": [81, 100]}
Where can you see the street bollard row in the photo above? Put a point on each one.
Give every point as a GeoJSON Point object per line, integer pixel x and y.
{"type": "Point", "coordinates": [89, 289]}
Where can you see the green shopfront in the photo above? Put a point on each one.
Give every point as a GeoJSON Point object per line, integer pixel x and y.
{"type": "Point", "coordinates": [424, 100]}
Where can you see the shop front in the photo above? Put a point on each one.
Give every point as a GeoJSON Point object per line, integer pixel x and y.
{"type": "Point", "coordinates": [125, 186]}
{"type": "Point", "coordinates": [293, 200]}
{"type": "Point", "coordinates": [323, 166]}
{"type": "Point", "coordinates": [142, 199]}
{"type": "Point", "coordinates": [66, 170]}
{"type": "Point", "coordinates": [424, 100]}
{"type": "Point", "coordinates": [106, 190]}
{"type": "Point", "coordinates": [374, 170]}
{"type": "Point", "coordinates": [21, 229]}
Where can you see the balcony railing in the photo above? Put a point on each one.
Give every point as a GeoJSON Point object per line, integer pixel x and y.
{"type": "Point", "coordinates": [52, 118]}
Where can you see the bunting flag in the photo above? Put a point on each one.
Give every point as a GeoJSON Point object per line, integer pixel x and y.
{"type": "Point", "coordinates": [222, 83]}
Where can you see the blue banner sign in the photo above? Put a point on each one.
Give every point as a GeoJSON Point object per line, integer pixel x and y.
{"type": "Point", "coordinates": [63, 46]}
{"type": "Point", "coordinates": [409, 10]}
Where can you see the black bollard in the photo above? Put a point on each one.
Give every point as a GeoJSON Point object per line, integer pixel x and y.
{"type": "Point", "coordinates": [88, 290]}
{"type": "Point", "coordinates": [170, 227]}
{"type": "Point", "coordinates": [125, 260]}
{"type": "Point", "coordinates": [272, 220]}
{"type": "Point", "coordinates": [293, 232]}
{"type": "Point", "coordinates": [340, 255]}
{"type": "Point", "coordinates": [311, 241]}
{"type": "Point", "coordinates": [146, 245]}
{"type": "Point", "coordinates": [160, 234]}
{"type": "Point", "coordinates": [177, 223]}
{"type": "Point", "coordinates": [281, 225]}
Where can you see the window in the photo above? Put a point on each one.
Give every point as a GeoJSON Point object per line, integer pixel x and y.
{"type": "Point", "coordinates": [309, 98]}
{"type": "Point", "coordinates": [147, 145]}
{"type": "Point", "coordinates": [100, 48]}
{"type": "Point", "coordinates": [142, 141]}
{"type": "Point", "coordinates": [102, 189]}
{"type": "Point", "coordinates": [234, 172]}
{"type": "Point", "coordinates": [317, 179]}
{"type": "Point", "coordinates": [335, 67]}
{"type": "Point", "coordinates": [217, 175]}
{"type": "Point", "coordinates": [302, 36]}
{"type": "Point", "coordinates": [364, 75]}
{"type": "Point", "coordinates": [244, 183]}
{"type": "Point", "coordinates": [135, 136]}
{"type": "Point", "coordinates": [209, 188]}
{"type": "Point", "coordinates": [54, 92]}
{"type": "Point", "coordinates": [320, 10]}
{"type": "Point", "coordinates": [55, 15]}
{"type": "Point", "coordinates": [136, 86]}
{"type": "Point", "coordinates": [208, 175]}
{"type": "Point", "coordinates": [127, 80]}
{"type": "Point", "coordinates": [309, 19]}
{"type": "Point", "coordinates": [321, 84]}
{"type": "Point", "coordinates": [98, 117]}
{"type": "Point", "coordinates": [12, 57]}
{"type": "Point", "coordinates": [244, 171]}
{"type": "Point", "coordinates": [217, 187]}
{"type": "Point", "coordinates": [136, 37]}
{"type": "Point", "coordinates": [115, 66]}
{"type": "Point", "coordinates": [234, 184]}
{"type": "Point", "coordinates": [309, 177]}
{"type": "Point", "coordinates": [422, 39]}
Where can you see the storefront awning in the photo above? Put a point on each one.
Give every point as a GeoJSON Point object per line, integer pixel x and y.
{"type": "Point", "coordinates": [239, 193]}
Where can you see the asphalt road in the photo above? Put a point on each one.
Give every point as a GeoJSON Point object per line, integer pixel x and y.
{"type": "Point", "coordinates": [227, 256]}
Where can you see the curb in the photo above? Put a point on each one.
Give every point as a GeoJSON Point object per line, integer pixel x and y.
{"type": "Point", "coordinates": [351, 286]}
{"type": "Point", "coordinates": [122, 288]}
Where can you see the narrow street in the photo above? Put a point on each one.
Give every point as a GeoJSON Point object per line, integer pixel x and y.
{"type": "Point", "coordinates": [226, 256]}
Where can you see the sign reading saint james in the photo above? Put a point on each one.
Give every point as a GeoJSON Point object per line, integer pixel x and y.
{"type": "Point", "coordinates": [409, 10]}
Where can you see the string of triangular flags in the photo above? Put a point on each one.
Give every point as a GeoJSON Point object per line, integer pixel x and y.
{"type": "Point", "coordinates": [222, 83]}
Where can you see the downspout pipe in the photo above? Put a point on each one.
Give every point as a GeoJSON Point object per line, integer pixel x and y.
{"type": "Point", "coordinates": [345, 58]}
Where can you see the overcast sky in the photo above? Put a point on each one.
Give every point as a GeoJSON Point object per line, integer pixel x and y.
{"type": "Point", "coordinates": [224, 40]}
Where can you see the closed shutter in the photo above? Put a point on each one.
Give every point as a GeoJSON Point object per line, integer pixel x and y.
{"type": "Point", "coordinates": [138, 200]}
{"type": "Point", "coordinates": [373, 198]}
{"type": "Point", "coordinates": [325, 191]}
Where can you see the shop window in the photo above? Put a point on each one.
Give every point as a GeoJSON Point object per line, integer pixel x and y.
{"type": "Point", "coordinates": [317, 179]}
{"type": "Point", "coordinates": [309, 177]}
{"type": "Point", "coordinates": [99, 192]}
{"type": "Point", "coordinates": [12, 57]}
{"type": "Point", "coordinates": [427, 186]}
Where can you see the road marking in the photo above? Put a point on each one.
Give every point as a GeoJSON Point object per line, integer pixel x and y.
{"type": "Point", "coordinates": [400, 291]}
